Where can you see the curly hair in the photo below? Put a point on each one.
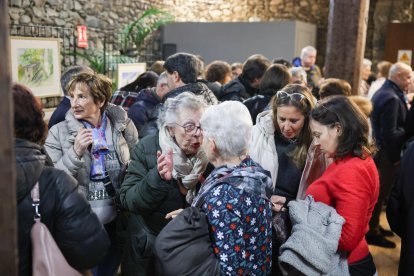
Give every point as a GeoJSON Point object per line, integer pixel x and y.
{"type": "Point", "coordinates": [28, 115]}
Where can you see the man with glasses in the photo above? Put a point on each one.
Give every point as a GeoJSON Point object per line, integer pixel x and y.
{"type": "Point", "coordinates": [144, 111]}
{"type": "Point", "coordinates": [388, 123]}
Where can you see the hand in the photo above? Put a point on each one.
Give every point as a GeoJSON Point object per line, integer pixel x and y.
{"type": "Point", "coordinates": [277, 203]}
{"type": "Point", "coordinates": [173, 214]}
{"type": "Point", "coordinates": [82, 141]}
{"type": "Point", "coordinates": [165, 165]}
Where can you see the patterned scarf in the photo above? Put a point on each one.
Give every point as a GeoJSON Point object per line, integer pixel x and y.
{"type": "Point", "coordinates": [247, 176]}
{"type": "Point", "coordinates": [99, 148]}
{"type": "Point", "coordinates": [186, 169]}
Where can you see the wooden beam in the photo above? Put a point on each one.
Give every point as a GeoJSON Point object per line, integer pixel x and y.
{"type": "Point", "coordinates": [347, 28]}
{"type": "Point", "coordinates": [8, 213]}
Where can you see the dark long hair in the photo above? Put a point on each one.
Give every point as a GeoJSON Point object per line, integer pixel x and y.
{"type": "Point", "coordinates": [28, 115]}
{"type": "Point", "coordinates": [145, 80]}
{"type": "Point", "coordinates": [340, 110]}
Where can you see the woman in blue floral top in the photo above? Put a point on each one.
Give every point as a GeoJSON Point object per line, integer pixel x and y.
{"type": "Point", "coordinates": [235, 197]}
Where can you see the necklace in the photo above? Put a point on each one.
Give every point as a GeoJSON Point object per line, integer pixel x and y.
{"type": "Point", "coordinates": [290, 140]}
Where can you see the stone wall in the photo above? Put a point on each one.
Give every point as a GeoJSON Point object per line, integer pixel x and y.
{"type": "Point", "coordinates": [114, 14]}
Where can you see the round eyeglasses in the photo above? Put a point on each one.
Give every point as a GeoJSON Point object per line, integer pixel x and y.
{"type": "Point", "coordinates": [190, 128]}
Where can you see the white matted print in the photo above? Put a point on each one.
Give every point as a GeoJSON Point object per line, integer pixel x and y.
{"type": "Point", "coordinates": [128, 72]}
{"type": "Point", "coordinates": [405, 56]}
{"type": "Point", "coordinates": [35, 63]}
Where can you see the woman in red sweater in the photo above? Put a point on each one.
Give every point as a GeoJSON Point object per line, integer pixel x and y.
{"type": "Point", "coordinates": [350, 184]}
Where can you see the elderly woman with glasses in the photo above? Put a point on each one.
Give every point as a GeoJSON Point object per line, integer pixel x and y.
{"type": "Point", "coordinates": [162, 177]}
{"type": "Point", "coordinates": [280, 141]}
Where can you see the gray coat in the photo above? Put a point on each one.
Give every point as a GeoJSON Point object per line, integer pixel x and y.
{"type": "Point", "coordinates": [61, 138]}
{"type": "Point", "coordinates": [313, 243]}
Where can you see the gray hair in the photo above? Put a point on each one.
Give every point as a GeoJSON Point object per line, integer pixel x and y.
{"type": "Point", "coordinates": [229, 124]}
{"type": "Point", "coordinates": [366, 62]}
{"type": "Point", "coordinates": [172, 108]}
{"type": "Point", "coordinates": [162, 77]}
{"type": "Point", "coordinates": [396, 68]}
{"type": "Point", "coordinates": [299, 72]}
{"type": "Point", "coordinates": [306, 50]}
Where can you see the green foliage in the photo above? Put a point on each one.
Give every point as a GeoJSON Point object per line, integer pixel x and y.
{"type": "Point", "coordinates": [102, 62]}
{"type": "Point", "coordinates": [134, 34]}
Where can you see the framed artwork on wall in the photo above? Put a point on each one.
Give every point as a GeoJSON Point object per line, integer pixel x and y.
{"type": "Point", "coordinates": [128, 72]}
{"type": "Point", "coordinates": [35, 63]}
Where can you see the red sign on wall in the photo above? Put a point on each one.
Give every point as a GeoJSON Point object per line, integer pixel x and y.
{"type": "Point", "coordinates": [82, 37]}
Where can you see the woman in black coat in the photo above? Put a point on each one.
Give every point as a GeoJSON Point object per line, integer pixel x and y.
{"type": "Point", "coordinates": [400, 212]}
{"type": "Point", "coordinates": [66, 213]}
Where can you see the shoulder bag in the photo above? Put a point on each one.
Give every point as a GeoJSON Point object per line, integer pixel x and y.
{"type": "Point", "coordinates": [47, 259]}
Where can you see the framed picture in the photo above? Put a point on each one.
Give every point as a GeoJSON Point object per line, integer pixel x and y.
{"type": "Point", "coordinates": [128, 72]}
{"type": "Point", "coordinates": [35, 62]}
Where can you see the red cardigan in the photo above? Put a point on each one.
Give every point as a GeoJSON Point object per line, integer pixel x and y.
{"type": "Point", "coordinates": [351, 186]}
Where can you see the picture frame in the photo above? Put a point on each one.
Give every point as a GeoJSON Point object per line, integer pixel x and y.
{"type": "Point", "coordinates": [35, 63]}
{"type": "Point", "coordinates": [128, 72]}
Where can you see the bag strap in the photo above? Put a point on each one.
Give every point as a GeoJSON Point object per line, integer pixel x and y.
{"type": "Point", "coordinates": [35, 194]}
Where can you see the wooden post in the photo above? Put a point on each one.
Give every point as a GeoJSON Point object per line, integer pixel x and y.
{"type": "Point", "coordinates": [347, 28]}
{"type": "Point", "coordinates": [8, 214]}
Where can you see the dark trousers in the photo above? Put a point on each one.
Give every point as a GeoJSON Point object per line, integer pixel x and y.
{"type": "Point", "coordinates": [386, 171]}
{"type": "Point", "coordinates": [109, 265]}
{"type": "Point", "coordinates": [364, 267]}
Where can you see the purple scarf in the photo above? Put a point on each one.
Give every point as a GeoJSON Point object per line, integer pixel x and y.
{"type": "Point", "coordinates": [99, 148]}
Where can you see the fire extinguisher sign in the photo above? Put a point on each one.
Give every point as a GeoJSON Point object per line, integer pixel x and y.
{"type": "Point", "coordinates": [82, 36]}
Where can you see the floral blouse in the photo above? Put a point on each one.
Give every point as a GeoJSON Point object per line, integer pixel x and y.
{"type": "Point", "coordinates": [240, 225]}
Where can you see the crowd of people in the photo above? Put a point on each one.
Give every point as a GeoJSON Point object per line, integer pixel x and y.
{"type": "Point", "coordinates": [290, 169]}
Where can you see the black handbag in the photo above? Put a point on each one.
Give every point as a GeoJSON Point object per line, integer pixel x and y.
{"type": "Point", "coordinates": [184, 246]}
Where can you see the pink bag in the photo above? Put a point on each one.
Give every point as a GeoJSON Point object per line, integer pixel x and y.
{"type": "Point", "coordinates": [47, 259]}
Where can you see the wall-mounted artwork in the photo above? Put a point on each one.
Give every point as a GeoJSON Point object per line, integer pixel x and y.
{"type": "Point", "coordinates": [128, 72]}
{"type": "Point", "coordinates": [35, 63]}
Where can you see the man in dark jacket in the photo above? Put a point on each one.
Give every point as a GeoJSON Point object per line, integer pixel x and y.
{"type": "Point", "coordinates": [248, 83]}
{"type": "Point", "coordinates": [388, 123]}
{"type": "Point", "coordinates": [182, 71]}
{"type": "Point", "coordinates": [144, 111]}
{"type": "Point", "coordinates": [63, 107]}
{"type": "Point", "coordinates": [400, 212]}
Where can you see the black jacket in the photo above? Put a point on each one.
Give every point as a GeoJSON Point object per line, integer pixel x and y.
{"type": "Point", "coordinates": [237, 90]}
{"type": "Point", "coordinates": [400, 212]}
{"type": "Point", "coordinates": [144, 112]}
{"type": "Point", "coordinates": [388, 119]}
{"type": "Point", "coordinates": [257, 104]}
{"type": "Point", "coordinates": [197, 88]}
{"type": "Point", "coordinates": [68, 216]}
{"type": "Point", "coordinates": [60, 112]}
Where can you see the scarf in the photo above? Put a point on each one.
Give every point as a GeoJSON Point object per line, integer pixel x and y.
{"type": "Point", "coordinates": [99, 148]}
{"type": "Point", "coordinates": [186, 169]}
{"type": "Point", "coordinates": [247, 176]}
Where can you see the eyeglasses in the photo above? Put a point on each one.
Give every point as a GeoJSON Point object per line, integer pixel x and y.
{"type": "Point", "coordinates": [297, 97]}
{"type": "Point", "coordinates": [190, 128]}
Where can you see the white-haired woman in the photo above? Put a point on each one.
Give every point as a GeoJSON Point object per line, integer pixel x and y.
{"type": "Point", "coordinates": [236, 195]}
{"type": "Point", "coordinates": [165, 168]}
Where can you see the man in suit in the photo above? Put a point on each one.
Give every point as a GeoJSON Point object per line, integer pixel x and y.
{"type": "Point", "coordinates": [388, 123]}
{"type": "Point", "coordinates": [63, 107]}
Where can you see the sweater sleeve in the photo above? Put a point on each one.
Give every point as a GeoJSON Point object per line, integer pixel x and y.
{"type": "Point", "coordinates": [143, 190]}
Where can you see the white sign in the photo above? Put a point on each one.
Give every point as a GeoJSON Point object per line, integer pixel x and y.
{"type": "Point", "coordinates": [405, 56]}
